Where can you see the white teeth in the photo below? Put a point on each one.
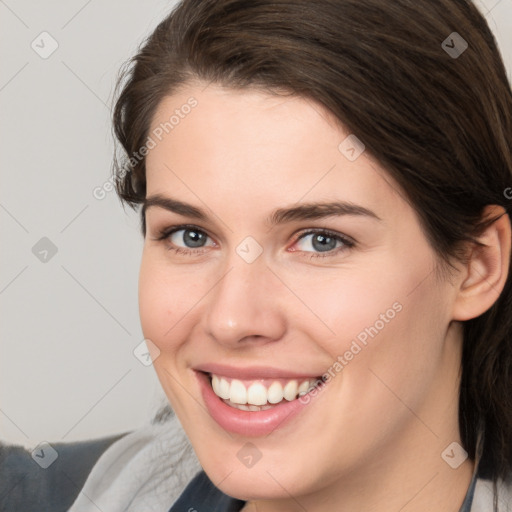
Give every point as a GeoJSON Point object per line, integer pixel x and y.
{"type": "Point", "coordinates": [252, 408]}
{"type": "Point", "coordinates": [275, 393]}
{"type": "Point", "coordinates": [215, 384]}
{"type": "Point", "coordinates": [258, 397]}
{"type": "Point", "coordinates": [303, 388]}
{"type": "Point", "coordinates": [290, 390]}
{"type": "Point", "coordinates": [220, 387]}
{"type": "Point", "coordinates": [257, 394]}
{"type": "Point", "coordinates": [238, 393]}
{"type": "Point", "coordinates": [223, 389]}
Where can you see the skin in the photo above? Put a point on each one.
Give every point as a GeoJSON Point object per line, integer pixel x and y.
{"type": "Point", "coordinates": [372, 438]}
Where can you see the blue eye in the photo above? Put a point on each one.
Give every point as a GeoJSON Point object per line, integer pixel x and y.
{"type": "Point", "coordinates": [189, 240]}
{"type": "Point", "coordinates": [186, 240]}
{"type": "Point", "coordinates": [322, 241]}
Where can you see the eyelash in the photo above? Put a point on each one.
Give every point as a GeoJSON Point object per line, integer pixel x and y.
{"type": "Point", "coordinates": [348, 243]}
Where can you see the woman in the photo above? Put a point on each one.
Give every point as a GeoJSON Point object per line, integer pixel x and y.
{"type": "Point", "coordinates": [325, 284]}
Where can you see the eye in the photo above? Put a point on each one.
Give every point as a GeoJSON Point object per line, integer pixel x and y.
{"type": "Point", "coordinates": [323, 241]}
{"type": "Point", "coordinates": [185, 239]}
{"type": "Point", "coordinates": [190, 240]}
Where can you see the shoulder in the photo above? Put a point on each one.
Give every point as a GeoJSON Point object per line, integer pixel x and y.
{"type": "Point", "coordinates": [484, 493]}
{"type": "Point", "coordinates": [27, 485]}
{"type": "Point", "coordinates": [483, 499]}
{"type": "Point", "coordinates": [146, 470]}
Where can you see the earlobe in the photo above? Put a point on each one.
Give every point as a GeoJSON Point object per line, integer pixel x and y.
{"type": "Point", "coordinates": [487, 268]}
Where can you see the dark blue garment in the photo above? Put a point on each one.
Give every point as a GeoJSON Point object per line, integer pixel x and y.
{"type": "Point", "coordinates": [202, 496]}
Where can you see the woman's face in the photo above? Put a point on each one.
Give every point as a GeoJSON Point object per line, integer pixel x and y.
{"type": "Point", "coordinates": [300, 259]}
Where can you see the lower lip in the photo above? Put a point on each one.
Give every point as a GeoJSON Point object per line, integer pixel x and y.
{"type": "Point", "coordinates": [247, 423]}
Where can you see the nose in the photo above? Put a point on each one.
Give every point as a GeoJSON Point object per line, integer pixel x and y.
{"type": "Point", "coordinates": [245, 306]}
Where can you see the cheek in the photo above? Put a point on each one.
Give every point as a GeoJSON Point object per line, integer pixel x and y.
{"type": "Point", "coordinates": [396, 348]}
{"type": "Point", "coordinates": [153, 301]}
{"type": "Point", "coordinates": [350, 304]}
{"type": "Point", "coordinates": [162, 301]}
{"type": "Point", "coordinates": [170, 300]}
{"type": "Point", "coordinates": [166, 307]}
{"type": "Point", "coordinates": [390, 317]}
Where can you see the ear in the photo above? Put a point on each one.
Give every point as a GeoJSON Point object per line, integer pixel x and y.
{"type": "Point", "coordinates": [485, 274]}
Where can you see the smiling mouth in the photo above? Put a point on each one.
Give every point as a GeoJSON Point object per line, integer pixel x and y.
{"type": "Point", "coordinates": [259, 394]}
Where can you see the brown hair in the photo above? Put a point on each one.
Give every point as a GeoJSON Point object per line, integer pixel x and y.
{"type": "Point", "coordinates": [440, 124]}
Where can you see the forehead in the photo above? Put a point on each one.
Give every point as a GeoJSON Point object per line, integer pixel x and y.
{"type": "Point", "coordinates": [247, 144]}
{"type": "Point", "coordinates": [225, 120]}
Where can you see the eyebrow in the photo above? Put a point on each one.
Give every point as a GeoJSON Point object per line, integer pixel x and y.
{"type": "Point", "coordinates": [304, 211]}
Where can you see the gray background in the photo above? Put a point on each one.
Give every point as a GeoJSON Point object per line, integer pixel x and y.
{"type": "Point", "coordinates": [69, 320]}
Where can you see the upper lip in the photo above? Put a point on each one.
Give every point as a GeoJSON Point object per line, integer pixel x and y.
{"type": "Point", "coordinates": [252, 372]}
